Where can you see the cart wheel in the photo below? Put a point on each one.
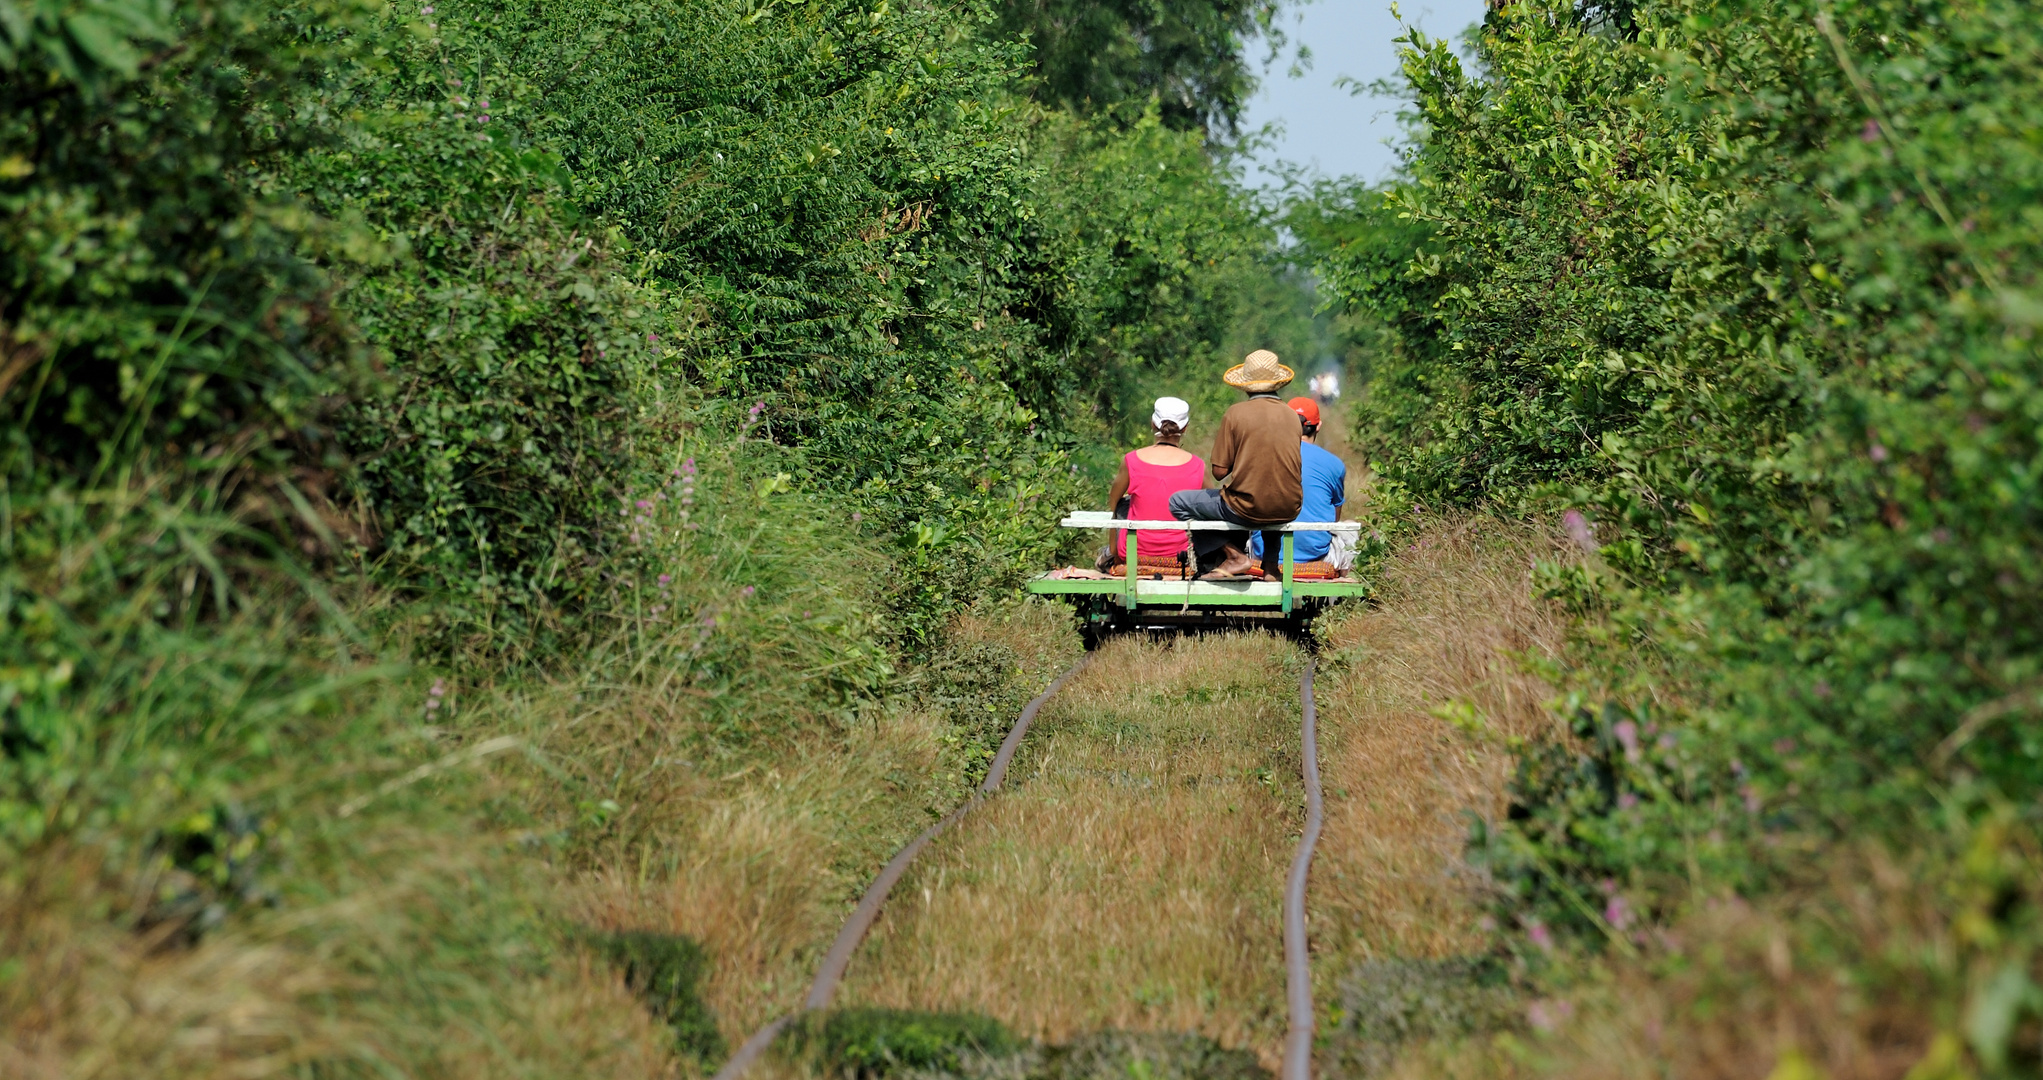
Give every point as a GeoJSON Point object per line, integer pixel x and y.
{"type": "Point", "coordinates": [1096, 622]}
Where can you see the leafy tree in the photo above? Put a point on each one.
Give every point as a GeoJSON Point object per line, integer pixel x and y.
{"type": "Point", "coordinates": [157, 306]}
{"type": "Point", "coordinates": [1114, 58]}
{"type": "Point", "coordinates": [1746, 292]}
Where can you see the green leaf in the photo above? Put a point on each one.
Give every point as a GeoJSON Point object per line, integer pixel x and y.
{"type": "Point", "coordinates": [1991, 1019]}
{"type": "Point", "coordinates": [104, 44]}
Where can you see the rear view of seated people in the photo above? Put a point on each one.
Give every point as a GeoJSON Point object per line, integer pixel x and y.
{"type": "Point", "coordinates": [1324, 478]}
{"type": "Point", "coordinates": [1148, 478]}
{"type": "Point", "coordinates": [1255, 459]}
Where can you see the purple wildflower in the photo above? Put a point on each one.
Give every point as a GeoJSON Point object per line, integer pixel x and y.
{"type": "Point", "coordinates": [1871, 132]}
{"type": "Point", "coordinates": [1618, 911]}
{"type": "Point", "coordinates": [644, 505]}
{"type": "Point", "coordinates": [1877, 452]}
{"type": "Point", "coordinates": [747, 592]}
{"type": "Point", "coordinates": [1579, 530]}
{"type": "Point", "coordinates": [856, 517]}
{"type": "Point", "coordinates": [1628, 737]}
{"type": "Point", "coordinates": [1548, 1014]}
{"type": "Point", "coordinates": [1626, 800]}
{"type": "Point", "coordinates": [688, 467]}
{"type": "Point", "coordinates": [1540, 936]}
{"type": "Point", "coordinates": [665, 578]}
{"type": "Point", "coordinates": [439, 688]}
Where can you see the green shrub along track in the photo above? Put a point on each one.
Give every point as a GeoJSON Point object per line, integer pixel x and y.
{"type": "Point", "coordinates": [543, 432]}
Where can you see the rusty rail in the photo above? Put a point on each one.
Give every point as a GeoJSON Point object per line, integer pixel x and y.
{"type": "Point", "coordinates": [868, 910]}
{"type": "Point", "coordinates": [1297, 958]}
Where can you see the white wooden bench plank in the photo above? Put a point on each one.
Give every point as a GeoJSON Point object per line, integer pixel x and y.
{"type": "Point", "coordinates": [1102, 519]}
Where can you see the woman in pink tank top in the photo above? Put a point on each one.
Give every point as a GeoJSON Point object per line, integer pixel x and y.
{"type": "Point", "coordinates": [1149, 477]}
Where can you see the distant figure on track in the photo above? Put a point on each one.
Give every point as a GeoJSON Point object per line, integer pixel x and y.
{"type": "Point", "coordinates": [1325, 480]}
{"type": "Point", "coordinates": [1256, 461]}
{"type": "Point", "coordinates": [1148, 478]}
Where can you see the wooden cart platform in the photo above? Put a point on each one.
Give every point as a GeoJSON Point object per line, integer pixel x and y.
{"type": "Point", "coordinates": [1131, 600]}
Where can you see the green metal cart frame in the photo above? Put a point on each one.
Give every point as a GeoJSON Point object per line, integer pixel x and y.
{"type": "Point", "coordinates": [1131, 601]}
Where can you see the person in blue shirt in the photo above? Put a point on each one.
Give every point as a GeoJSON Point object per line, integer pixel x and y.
{"type": "Point", "coordinates": [1325, 478]}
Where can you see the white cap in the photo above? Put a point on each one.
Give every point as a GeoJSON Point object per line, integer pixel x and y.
{"type": "Point", "coordinates": [1175, 410]}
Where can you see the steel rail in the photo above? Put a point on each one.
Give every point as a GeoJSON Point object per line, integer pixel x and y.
{"type": "Point", "coordinates": [1297, 958]}
{"type": "Point", "coordinates": [868, 910]}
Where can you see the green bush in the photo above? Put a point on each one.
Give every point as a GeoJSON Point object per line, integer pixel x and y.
{"type": "Point", "coordinates": [667, 971]}
{"type": "Point", "coordinates": [1747, 290]}
{"type": "Point", "coordinates": [873, 1042]}
{"type": "Point", "coordinates": [157, 305]}
{"type": "Point", "coordinates": [1187, 60]}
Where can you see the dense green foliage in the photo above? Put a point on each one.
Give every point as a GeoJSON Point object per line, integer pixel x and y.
{"type": "Point", "coordinates": [362, 366]}
{"type": "Point", "coordinates": [1187, 58]}
{"type": "Point", "coordinates": [1748, 293]}
{"type": "Point", "coordinates": [157, 305]}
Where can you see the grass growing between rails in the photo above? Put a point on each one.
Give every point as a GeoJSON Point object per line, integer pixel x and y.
{"type": "Point", "coordinates": [1130, 876]}
{"type": "Point", "coordinates": [873, 1043]}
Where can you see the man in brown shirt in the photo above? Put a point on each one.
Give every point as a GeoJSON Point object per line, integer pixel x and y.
{"type": "Point", "coordinates": [1255, 459]}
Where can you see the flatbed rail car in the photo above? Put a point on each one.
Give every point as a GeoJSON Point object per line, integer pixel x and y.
{"type": "Point", "coordinates": [1139, 599]}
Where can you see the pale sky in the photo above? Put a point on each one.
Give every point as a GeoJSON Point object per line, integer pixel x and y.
{"type": "Point", "coordinates": [1329, 128]}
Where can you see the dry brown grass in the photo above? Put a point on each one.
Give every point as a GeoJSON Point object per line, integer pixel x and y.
{"type": "Point", "coordinates": [765, 863]}
{"type": "Point", "coordinates": [762, 863]}
{"type": "Point", "coordinates": [1131, 876]}
{"type": "Point", "coordinates": [87, 999]}
{"type": "Point", "coordinates": [1847, 978]}
{"type": "Point", "coordinates": [1454, 611]}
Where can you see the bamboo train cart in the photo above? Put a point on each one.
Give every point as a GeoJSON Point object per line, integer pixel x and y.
{"type": "Point", "coordinates": [1152, 598]}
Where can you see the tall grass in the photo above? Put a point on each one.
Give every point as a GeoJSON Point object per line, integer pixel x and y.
{"type": "Point", "coordinates": [193, 884]}
{"type": "Point", "coordinates": [1129, 876]}
{"type": "Point", "coordinates": [219, 799]}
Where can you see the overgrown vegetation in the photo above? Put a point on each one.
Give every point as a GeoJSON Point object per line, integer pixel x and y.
{"type": "Point", "coordinates": [872, 1043]}
{"type": "Point", "coordinates": [1740, 292]}
{"type": "Point", "coordinates": [440, 442]}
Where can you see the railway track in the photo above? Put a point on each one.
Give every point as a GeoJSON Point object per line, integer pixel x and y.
{"type": "Point", "coordinates": [1297, 1063]}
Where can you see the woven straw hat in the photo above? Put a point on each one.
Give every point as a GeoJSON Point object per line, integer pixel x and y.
{"type": "Point", "coordinates": [1258, 373]}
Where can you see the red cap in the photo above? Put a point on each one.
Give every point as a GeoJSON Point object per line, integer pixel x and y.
{"type": "Point", "coordinates": [1306, 408]}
